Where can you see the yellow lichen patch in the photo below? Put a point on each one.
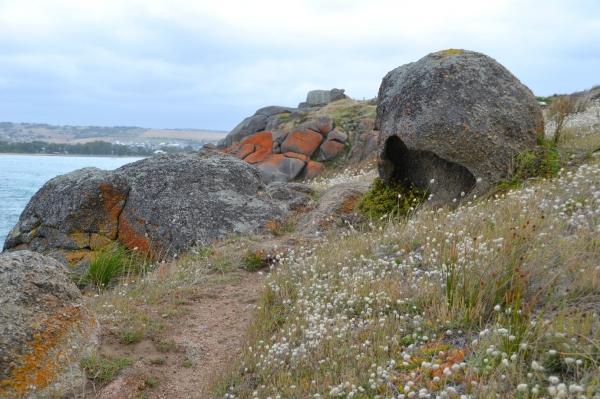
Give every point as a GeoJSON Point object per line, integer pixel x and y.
{"type": "Point", "coordinates": [449, 52]}
{"type": "Point", "coordinates": [76, 256]}
{"type": "Point", "coordinates": [99, 241]}
{"type": "Point", "coordinates": [81, 239]}
{"type": "Point", "coordinates": [38, 367]}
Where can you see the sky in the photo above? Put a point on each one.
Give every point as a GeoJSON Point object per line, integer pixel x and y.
{"type": "Point", "coordinates": [209, 64]}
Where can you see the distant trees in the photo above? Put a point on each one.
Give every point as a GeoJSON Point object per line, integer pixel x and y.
{"type": "Point", "coordinates": [92, 148]}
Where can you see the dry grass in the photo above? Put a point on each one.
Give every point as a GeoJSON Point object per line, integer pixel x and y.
{"type": "Point", "coordinates": [497, 297]}
{"type": "Point", "coordinates": [141, 304]}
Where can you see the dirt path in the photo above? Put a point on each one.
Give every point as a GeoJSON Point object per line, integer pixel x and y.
{"type": "Point", "coordinates": [205, 339]}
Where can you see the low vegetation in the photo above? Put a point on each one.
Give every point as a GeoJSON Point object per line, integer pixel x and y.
{"type": "Point", "coordinates": [384, 201]}
{"type": "Point", "coordinates": [102, 369]}
{"type": "Point", "coordinates": [497, 297]}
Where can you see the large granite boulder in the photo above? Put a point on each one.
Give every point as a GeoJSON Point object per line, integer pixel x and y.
{"type": "Point", "coordinates": [179, 200]}
{"type": "Point", "coordinates": [163, 204]}
{"type": "Point", "coordinates": [455, 117]}
{"type": "Point", "coordinates": [71, 215]}
{"type": "Point", "coordinates": [45, 327]}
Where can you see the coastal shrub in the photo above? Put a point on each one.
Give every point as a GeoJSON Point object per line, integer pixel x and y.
{"type": "Point", "coordinates": [252, 261]}
{"type": "Point", "coordinates": [395, 199]}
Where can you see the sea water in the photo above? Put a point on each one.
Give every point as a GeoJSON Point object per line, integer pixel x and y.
{"type": "Point", "coordinates": [21, 176]}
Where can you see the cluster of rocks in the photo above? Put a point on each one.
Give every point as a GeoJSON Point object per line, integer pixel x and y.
{"type": "Point", "coordinates": [285, 144]}
{"type": "Point", "coordinates": [283, 156]}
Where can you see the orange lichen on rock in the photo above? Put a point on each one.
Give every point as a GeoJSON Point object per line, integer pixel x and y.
{"type": "Point", "coordinates": [130, 238]}
{"type": "Point", "coordinates": [262, 139]}
{"type": "Point", "coordinates": [113, 203]}
{"type": "Point", "coordinates": [312, 169]}
{"type": "Point", "coordinates": [302, 141]}
{"type": "Point", "coordinates": [259, 155]}
{"type": "Point", "coordinates": [301, 157]}
{"type": "Point", "coordinates": [245, 150]}
{"type": "Point", "coordinates": [40, 365]}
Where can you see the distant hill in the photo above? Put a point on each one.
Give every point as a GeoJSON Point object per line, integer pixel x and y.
{"type": "Point", "coordinates": [27, 132]}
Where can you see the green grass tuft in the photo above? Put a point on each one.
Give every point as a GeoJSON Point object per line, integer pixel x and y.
{"type": "Point", "coordinates": [103, 369]}
{"type": "Point", "coordinates": [107, 265]}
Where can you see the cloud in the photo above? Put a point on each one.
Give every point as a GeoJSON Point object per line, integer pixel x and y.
{"type": "Point", "coordinates": [183, 63]}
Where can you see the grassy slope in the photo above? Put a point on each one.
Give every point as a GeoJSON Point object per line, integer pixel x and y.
{"type": "Point", "coordinates": [499, 296]}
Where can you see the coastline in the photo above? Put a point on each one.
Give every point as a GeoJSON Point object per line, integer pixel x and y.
{"type": "Point", "coordinates": [72, 155]}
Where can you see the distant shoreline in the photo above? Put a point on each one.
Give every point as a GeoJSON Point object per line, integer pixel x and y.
{"type": "Point", "coordinates": [73, 155]}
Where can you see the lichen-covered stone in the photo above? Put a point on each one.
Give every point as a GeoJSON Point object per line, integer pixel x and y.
{"type": "Point", "coordinates": [45, 327]}
{"type": "Point", "coordinates": [179, 200]}
{"type": "Point", "coordinates": [454, 116]}
{"type": "Point", "coordinates": [279, 168]}
{"type": "Point", "coordinates": [71, 215]}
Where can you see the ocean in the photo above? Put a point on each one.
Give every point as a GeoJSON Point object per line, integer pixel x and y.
{"type": "Point", "coordinates": [21, 176]}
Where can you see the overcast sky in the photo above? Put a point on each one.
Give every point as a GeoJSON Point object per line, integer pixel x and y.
{"type": "Point", "coordinates": [208, 64]}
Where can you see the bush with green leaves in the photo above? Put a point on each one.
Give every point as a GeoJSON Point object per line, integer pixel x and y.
{"type": "Point", "coordinates": [396, 199]}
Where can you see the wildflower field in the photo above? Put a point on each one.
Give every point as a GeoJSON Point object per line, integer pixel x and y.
{"type": "Point", "coordinates": [493, 298]}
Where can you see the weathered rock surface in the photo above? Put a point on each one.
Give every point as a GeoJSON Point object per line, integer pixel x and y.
{"type": "Point", "coordinates": [302, 141]}
{"type": "Point", "coordinates": [291, 196]}
{"type": "Point", "coordinates": [454, 116]}
{"type": "Point", "coordinates": [322, 97]}
{"type": "Point", "coordinates": [311, 170]}
{"type": "Point", "coordinates": [178, 200]}
{"type": "Point", "coordinates": [45, 327]}
{"type": "Point", "coordinates": [279, 168]}
{"type": "Point", "coordinates": [162, 204]}
{"type": "Point", "coordinates": [334, 208]}
{"type": "Point", "coordinates": [329, 150]}
{"type": "Point", "coordinates": [71, 215]}
{"type": "Point", "coordinates": [255, 123]}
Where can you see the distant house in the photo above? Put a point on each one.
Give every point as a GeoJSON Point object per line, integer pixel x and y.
{"type": "Point", "coordinates": [159, 152]}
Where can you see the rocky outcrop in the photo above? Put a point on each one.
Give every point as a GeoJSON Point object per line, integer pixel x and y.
{"type": "Point", "coordinates": [319, 98]}
{"type": "Point", "coordinates": [456, 118]}
{"type": "Point", "coordinates": [364, 145]}
{"type": "Point", "coordinates": [336, 134]}
{"type": "Point", "coordinates": [163, 204]}
{"type": "Point", "coordinates": [266, 118]}
{"type": "Point", "coordinates": [45, 327]}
